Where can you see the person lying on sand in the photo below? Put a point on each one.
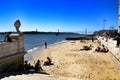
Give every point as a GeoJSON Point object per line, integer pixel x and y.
{"type": "Point", "coordinates": [87, 47]}
{"type": "Point", "coordinates": [98, 49]}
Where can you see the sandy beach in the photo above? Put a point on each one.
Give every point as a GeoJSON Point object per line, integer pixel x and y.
{"type": "Point", "coordinates": [71, 63]}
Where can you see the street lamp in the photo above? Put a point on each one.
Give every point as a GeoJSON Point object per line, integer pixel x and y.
{"type": "Point", "coordinates": [104, 20]}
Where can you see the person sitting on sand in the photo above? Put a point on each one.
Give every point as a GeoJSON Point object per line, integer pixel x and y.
{"type": "Point", "coordinates": [107, 49]}
{"type": "Point", "coordinates": [98, 49]}
{"type": "Point", "coordinates": [48, 62]}
{"type": "Point", "coordinates": [104, 49]}
{"type": "Point", "coordinates": [38, 66]}
{"type": "Point", "coordinates": [87, 47]}
{"type": "Point", "coordinates": [26, 65]}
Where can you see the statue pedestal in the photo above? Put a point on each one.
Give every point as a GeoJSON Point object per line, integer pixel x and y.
{"type": "Point", "coordinates": [12, 53]}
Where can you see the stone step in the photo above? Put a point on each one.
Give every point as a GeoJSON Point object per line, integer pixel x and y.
{"type": "Point", "coordinates": [38, 77]}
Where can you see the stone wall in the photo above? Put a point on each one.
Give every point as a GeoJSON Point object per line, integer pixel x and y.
{"type": "Point", "coordinates": [12, 63]}
{"type": "Point", "coordinates": [12, 53]}
{"type": "Point", "coordinates": [8, 48]}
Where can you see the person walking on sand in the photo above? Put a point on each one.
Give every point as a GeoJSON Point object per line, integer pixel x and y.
{"type": "Point", "coordinates": [92, 39]}
{"type": "Point", "coordinates": [45, 45]}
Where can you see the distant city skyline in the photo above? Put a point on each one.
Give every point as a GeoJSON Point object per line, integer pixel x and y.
{"type": "Point", "coordinates": [65, 15]}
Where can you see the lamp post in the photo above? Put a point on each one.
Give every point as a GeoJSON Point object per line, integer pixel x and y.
{"type": "Point", "coordinates": [86, 32]}
{"type": "Point", "coordinates": [119, 17]}
{"type": "Point", "coordinates": [104, 20]}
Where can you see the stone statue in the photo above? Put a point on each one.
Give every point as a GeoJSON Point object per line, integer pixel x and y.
{"type": "Point", "coordinates": [17, 25]}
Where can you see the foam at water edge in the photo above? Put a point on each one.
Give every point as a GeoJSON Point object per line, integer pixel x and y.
{"type": "Point", "coordinates": [29, 56]}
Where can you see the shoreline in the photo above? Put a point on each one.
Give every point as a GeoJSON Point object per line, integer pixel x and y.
{"type": "Point", "coordinates": [30, 52]}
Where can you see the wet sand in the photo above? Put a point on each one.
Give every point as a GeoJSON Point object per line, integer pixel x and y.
{"type": "Point", "coordinates": [71, 63]}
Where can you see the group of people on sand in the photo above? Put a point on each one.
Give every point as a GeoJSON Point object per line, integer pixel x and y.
{"type": "Point", "coordinates": [98, 49]}
{"type": "Point", "coordinates": [102, 49]}
{"type": "Point", "coordinates": [37, 67]}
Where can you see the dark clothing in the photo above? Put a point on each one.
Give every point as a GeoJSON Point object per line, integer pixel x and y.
{"type": "Point", "coordinates": [118, 42]}
{"type": "Point", "coordinates": [9, 39]}
{"type": "Point", "coordinates": [98, 49]}
{"type": "Point", "coordinates": [46, 45]}
{"type": "Point", "coordinates": [48, 62]}
{"type": "Point", "coordinates": [38, 66]}
{"type": "Point", "coordinates": [26, 67]}
{"type": "Point", "coordinates": [92, 39]}
{"type": "Point", "coordinates": [87, 47]}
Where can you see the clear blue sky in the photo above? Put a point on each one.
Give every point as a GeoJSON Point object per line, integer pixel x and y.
{"type": "Point", "coordinates": [51, 15]}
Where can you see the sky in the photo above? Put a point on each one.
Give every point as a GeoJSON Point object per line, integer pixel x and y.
{"type": "Point", "coordinates": [65, 15]}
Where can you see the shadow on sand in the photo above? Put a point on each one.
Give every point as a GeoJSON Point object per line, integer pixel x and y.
{"type": "Point", "coordinates": [7, 74]}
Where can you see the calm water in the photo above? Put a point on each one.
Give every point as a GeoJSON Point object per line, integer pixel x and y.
{"type": "Point", "coordinates": [34, 40]}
